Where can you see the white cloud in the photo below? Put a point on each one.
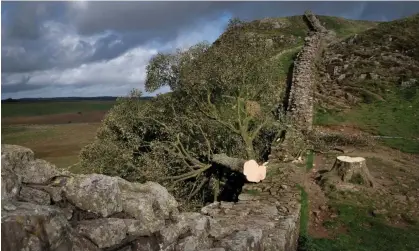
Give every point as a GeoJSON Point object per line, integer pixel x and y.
{"type": "Point", "coordinates": [102, 78]}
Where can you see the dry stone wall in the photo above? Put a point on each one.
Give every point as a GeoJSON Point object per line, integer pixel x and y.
{"type": "Point", "coordinates": [300, 101]}
{"type": "Point", "coordinates": [44, 208]}
{"type": "Point", "coordinates": [300, 109]}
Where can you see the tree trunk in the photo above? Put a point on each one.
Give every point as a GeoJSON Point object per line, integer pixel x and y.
{"type": "Point", "coordinates": [234, 164]}
{"type": "Point", "coordinates": [250, 169]}
{"type": "Point", "coordinates": [353, 170]}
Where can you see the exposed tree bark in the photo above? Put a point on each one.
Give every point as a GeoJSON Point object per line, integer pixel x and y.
{"type": "Point", "coordinates": [234, 164]}
{"type": "Point", "coordinates": [250, 168]}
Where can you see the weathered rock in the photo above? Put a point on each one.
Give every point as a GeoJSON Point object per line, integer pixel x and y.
{"type": "Point", "coordinates": [80, 243]}
{"type": "Point", "coordinates": [34, 227]}
{"type": "Point", "coordinates": [38, 172]}
{"type": "Point", "coordinates": [14, 155]}
{"type": "Point", "coordinates": [10, 183]}
{"type": "Point", "coordinates": [262, 228]}
{"type": "Point", "coordinates": [247, 196]}
{"type": "Point", "coordinates": [111, 231]}
{"type": "Point", "coordinates": [195, 242]}
{"type": "Point", "coordinates": [95, 193]}
{"type": "Point", "coordinates": [244, 240]}
{"type": "Point", "coordinates": [109, 213]}
{"type": "Point", "coordinates": [33, 195]}
{"type": "Point", "coordinates": [149, 202]}
{"type": "Point", "coordinates": [145, 244]}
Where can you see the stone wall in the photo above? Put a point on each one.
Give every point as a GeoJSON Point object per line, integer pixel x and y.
{"type": "Point", "coordinates": [300, 109]}
{"type": "Point", "coordinates": [300, 103]}
{"type": "Point", "coordinates": [44, 208]}
{"type": "Point", "coordinates": [314, 23]}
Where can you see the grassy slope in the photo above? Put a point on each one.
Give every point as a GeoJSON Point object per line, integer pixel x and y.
{"type": "Point", "coordinates": [364, 232]}
{"type": "Point", "coordinates": [288, 33]}
{"type": "Point", "coordinates": [398, 114]}
{"type": "Point", "coordinates": [49, 107]}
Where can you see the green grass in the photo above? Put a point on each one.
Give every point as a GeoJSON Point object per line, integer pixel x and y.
{"type": "Point", "coordinates": [397, 116]}
{"type": "Point", "coordinates": [304, 239]}
{"type": "Point", "coordinates": [286, 60]}
{"type": "Point", "coordinates": [310, 160]}
{"type": "Point", "coordinates": [344, 27]}
{"type": "Point", "coordinates": [304, 220]}
{"type": "Point", "coordinates": [327, 117]}
{"type": "Point", "coordinates": [50, 107]}
{"type": "Point", "coordinates": [22, 134]}
{"type": "Point", "coordinates": [365, 232]}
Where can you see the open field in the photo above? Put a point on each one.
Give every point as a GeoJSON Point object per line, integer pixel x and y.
{"type": "Point", "coordinates": [55, 131]}
{"type": "Point", "coordinates": [62, 118]}
{"type": "Point", "coordinates": [58, 144]}
{"type": "Point", "coordinates": [23, 109]}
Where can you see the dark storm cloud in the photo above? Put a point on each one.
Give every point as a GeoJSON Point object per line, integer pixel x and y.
{"type": "Point", "coordinates": [79, 47]}
{"type": "Point", "coordinates": [25, 18]}
{"type": "Point", "coordinates": [168, 17]}
{"type": "Point", "coordinates": [6, 89]}
{"type": "Point", "coordinates": [160, 17]}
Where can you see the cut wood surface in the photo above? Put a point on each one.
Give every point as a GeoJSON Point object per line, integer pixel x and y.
{"type": "Point", "coordinates": [353, 170]}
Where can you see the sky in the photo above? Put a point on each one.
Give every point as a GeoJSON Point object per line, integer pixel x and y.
{"type": "Point", "coordinates": [81, 48]}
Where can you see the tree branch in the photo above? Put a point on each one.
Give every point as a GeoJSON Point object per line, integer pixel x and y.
{"type": "Point", "coordinates": [200, 186]}
{"type": "Point", "coordinates": [257, 130]}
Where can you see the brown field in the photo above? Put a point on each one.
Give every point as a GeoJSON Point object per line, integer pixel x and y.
{"type": "Point", "coordinates": [64, 118]}
{"type": "Point", "coordinates": [57, 138]}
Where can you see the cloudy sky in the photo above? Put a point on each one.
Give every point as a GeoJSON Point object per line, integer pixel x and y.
{"type": "Point", "coordinates": [79, 48]}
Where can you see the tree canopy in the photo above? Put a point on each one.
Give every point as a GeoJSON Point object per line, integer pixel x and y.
{"type": "Point", "coordinates": [221, 109]}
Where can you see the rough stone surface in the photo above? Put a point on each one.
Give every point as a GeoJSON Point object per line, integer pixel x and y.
{"type": "Point", "coordinates": [34, 227]}
{"type": "Point", "coordinates": [300, 107]}
{"type": "Point", "coordinates": [300, 103]}
{"type": "Point", "coordinates": [35, 196]}
{"type": "Point", "coordinates": [111, 231]}
{"type": "Point", "coordinates": [97, 212]}
{"type": "Point", "coordinates": [10, 183]}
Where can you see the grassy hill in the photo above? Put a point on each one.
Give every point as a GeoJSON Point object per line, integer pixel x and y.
{"type": "Point", "coordinates": [285, 36]}
{"type": "Point", "coordinates": [367, 79]}
{"type": "Point", "coordinates": [371, 80]}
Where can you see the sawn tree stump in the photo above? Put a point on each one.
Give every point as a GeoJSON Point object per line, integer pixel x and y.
{"type": "Point", "coordinates": [353, 170]}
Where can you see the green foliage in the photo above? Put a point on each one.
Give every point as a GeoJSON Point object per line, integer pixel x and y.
{"type": "Point", "coordinates": [52, 107]}
{"type": "Point", "coordinates": [222, 101]}
{"type": "Point", "coordinates": [234, 23]}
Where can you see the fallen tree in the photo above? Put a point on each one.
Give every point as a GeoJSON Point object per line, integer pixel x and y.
{"type": "Point", "coordinates": [219, 114]}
